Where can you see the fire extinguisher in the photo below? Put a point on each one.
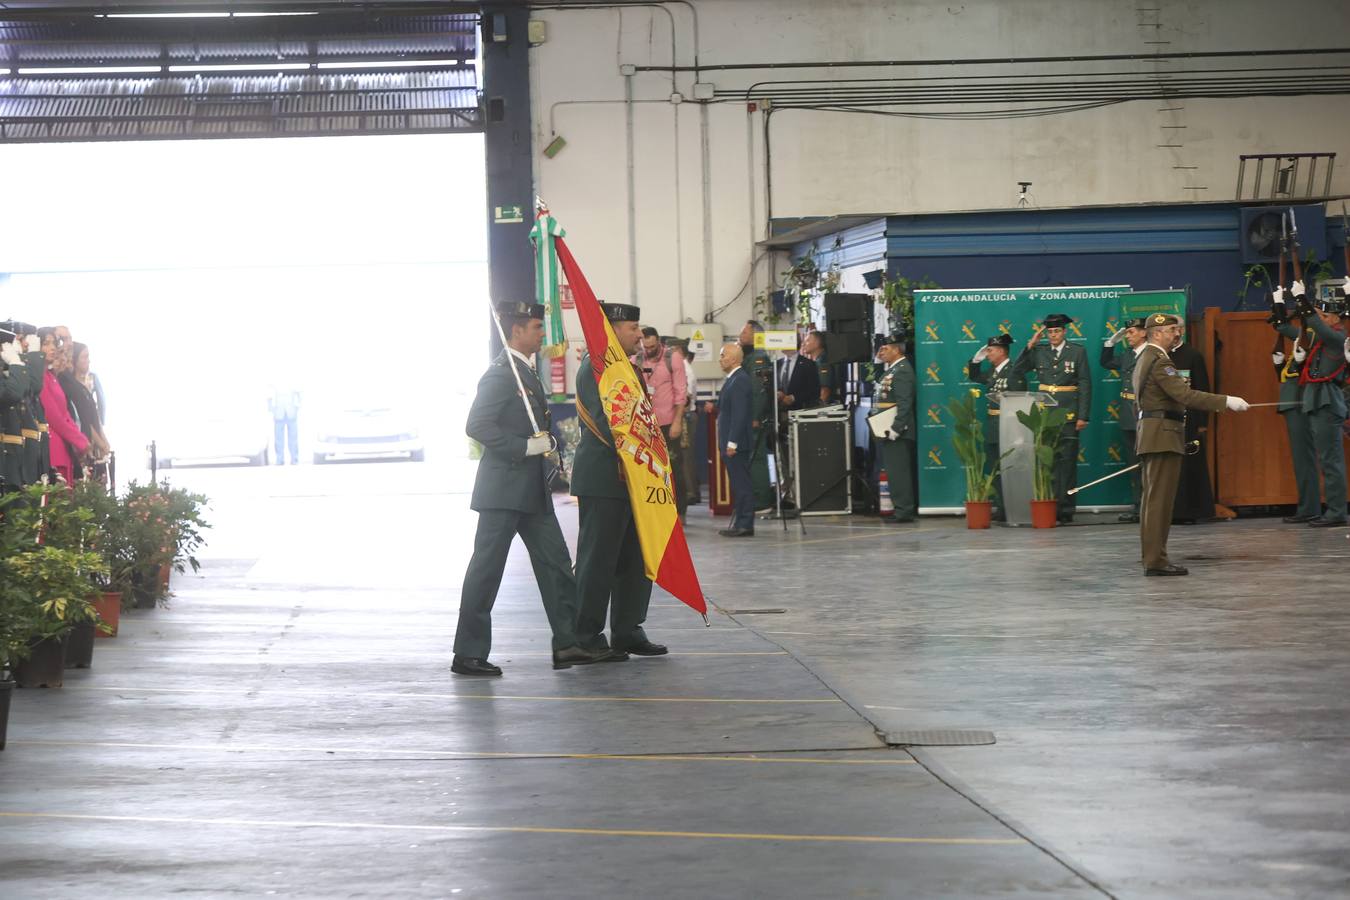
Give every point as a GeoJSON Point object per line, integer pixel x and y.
{"type": "Point", "coordinates": [557, 370]}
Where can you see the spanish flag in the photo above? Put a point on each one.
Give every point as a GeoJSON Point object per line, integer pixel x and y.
{"type": "Point", "coordinates": [640, 444]}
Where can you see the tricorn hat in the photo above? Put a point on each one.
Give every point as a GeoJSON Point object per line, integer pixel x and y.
{"type": "Point", "coordinates": [621, 312]}
{"type": "Point", "coordinates": [519, 309]}
{"type": "Point", "coordinates": [1002, 340]}
{"type": "Point", "coordinates": [1158, 320]}
{"type": "Point", "coordinates": [1056, 320]}
{"type": "Point", "coordinates": [1141, 322]}
{"type": "Point", "coordinates": [897, 338]}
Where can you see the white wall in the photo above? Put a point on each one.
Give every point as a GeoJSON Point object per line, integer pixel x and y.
{"type": "Point", "coordinates": [826, 163]}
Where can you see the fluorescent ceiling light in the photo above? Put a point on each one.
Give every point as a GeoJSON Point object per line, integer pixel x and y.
{"type": "Point", "coordinates": [242, 67]}
{"type": "Point", "coordinates": [173, 15]}
{"type": "Point", "coordinates": [89, 70]}
{"type": "Point", "coordinates": [241, 15]}
{"type": "Point", "coordinates": [390, 64]}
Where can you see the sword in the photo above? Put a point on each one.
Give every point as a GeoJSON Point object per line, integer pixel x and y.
{"type": "Point", "coordinates": [1192, 448]}
{"type": "Point", "coordinates": [553, 457]}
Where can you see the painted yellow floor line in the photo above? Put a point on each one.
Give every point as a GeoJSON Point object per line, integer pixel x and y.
{"type": "Point", "coordinates": [418, 695]}
{"type": "Point", "coordinates": [527, 829]}
{"type": "Point", "coordinates": [469, 754]}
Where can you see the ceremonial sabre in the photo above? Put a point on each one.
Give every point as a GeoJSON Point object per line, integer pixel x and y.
{"type": "Point", "coordinates": [1192, 448]}
{"type": "Point", "coordinates": [553, 457]}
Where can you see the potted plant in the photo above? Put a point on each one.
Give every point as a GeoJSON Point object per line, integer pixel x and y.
{"type": "Point", "coordinates": [111, 539]}
{"type": "Point", "coordinates": [164, 528]}
{"type": "Point", "coordinates": [968, 438]}
{"type": "Point", "coordinates": [1046, 424]}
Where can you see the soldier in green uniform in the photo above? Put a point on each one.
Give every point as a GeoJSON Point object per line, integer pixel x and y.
{"type": "Point", "coordinates": [1122, 359]}
{"type": "Point", "coordinates": [997, 379]}
{"type": "Point", "coordinates": [36, 446]}
{"type": "Point", "coordinates": [896, 389]}
{"type": "Point", "coordinates": [1162, 397]}
{"type": "Point", "coordinates": [1062, 370]}
{"type": "Point", "coordinates": [610, 573]}
{"type": "Point", "coordinates": [511, 496]}
{"type": "Point", "coordinates": [1323, 401]}
{"type": "Point", "coordinates": [760, 370]}
{"type": "Point", "coordinates": [13, 392]}
{"type": "Point", "coordinates": [1288, 368]}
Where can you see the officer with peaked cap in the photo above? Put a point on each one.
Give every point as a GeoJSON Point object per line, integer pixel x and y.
{"type": "Point", "coordinates": [13, 392]}
{"type": "Point", "coordinates": [610, 573]}
{"type": "Point", "coordinates": [1062, 370]}
{"type": "Point", "coordinates": [1322, 402]}
{"type": "Point", "coordinates": [511, 495]}
{"type": "Point", "coordinates": [1122, 358]}
{"type": "Point", "coordinates": [998, 379]}
{"type": "Point", "coordinates": [1163, 396]}
{"type": "Point", "coordinates": [896, 390]}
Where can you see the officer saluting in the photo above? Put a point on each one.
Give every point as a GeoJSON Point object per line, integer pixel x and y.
{"type": "Point", "coordinates": [511, 496]}
{"type": "Point", "coordinates": [1163, 397]}
{"type": "Point", "coordinates": [1062, 369]}
{"type": "Point", "coordinates": [997, 380]}
{"type": "Point", "coordinates": [610, 572]}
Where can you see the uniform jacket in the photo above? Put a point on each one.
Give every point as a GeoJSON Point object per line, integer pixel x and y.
{"type": "Point", "coordinates": [65, 434]}
{"type": "Point", "coordinates": [13, 395]}
{"type": "Point", "coordinates": [1190, 364]}
{"type": "Point", "coordinates": [760, 370]}
{"type": "Point", "coordinates": [1317, 391]}
{"type": "Point", "coordinates": [897, 388]}
{"type": "Point", "coordinates": [1159, 386]}
{"type": "Point", "coordinates": [596, 470]}
{"type": "Point", "coordinates": [507, 478]}
{"type": "Point", "coordinates": [1291, 392]}
{"type": "Point", "coordinates": [36, 444]}
{"type": "Point", "coordinates": [1069, 370]}
{"type": "Point", "coordinates": [1007, 380]}
{"type": "Point", "coordinates": [804, 383]}
{"type": "Point", "coordinates": [1122, 358]}
{"type": "Point", "coordinates": [734, 412]}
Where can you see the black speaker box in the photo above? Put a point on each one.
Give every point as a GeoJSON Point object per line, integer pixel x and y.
{"type": "Point", "coordinates": [850, 347]}
{"type": "Point", "coordinates": [848, 313]}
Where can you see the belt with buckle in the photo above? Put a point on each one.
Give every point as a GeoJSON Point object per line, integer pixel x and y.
{"type": "Point", "coordinates": [1162, 414]}
{"type": "Point", "coordinates": [30, 433]}
{"type": "Point", "coordinates": [1058, 388]}
{"type": "Point", "coordinates": [11, 439]}
{"type": "Point", "coordinates": [42, 427]}
{"type": "Point", "coordinates": [993, 412]}
{"type": "Point", "coordinates": [1126, 395]}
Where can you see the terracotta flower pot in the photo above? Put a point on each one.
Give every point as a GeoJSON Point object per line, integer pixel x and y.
{"type": "Point", "coordinates": [165, 572]}
{"type": "Point", "coordinates": [1044, 513]}
{"type": "Point", "coordinates": [109, 608]}
{"type": "Point", "coordinates": [979, 513]}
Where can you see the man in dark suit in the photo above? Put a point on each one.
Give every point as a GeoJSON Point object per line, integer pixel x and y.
{"type": "Point", "coordinates": [735, 439]}
{"type": "Point", "coordinates": [611, 577]}
{"type": "Point", "coordinates": [511, 496]}
{"type": "Point", "coordinates": [798, 382]}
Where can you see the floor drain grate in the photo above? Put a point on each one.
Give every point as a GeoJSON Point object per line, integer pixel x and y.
{"type": "Point", "coordinates": [755, 612]}
{"type": "Point", "coordinates": [939, 738]}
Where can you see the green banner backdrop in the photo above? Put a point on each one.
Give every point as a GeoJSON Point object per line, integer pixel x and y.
{"type": "Point", "coordinates": [1144, 303]}
{"type": "Point", "coordinates": [952, 325]}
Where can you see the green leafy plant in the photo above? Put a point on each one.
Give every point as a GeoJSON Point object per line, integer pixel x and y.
{"type": "Point", "coordinates": [112, 537]}
{"type": "Point", "coordinates": [1046, 425]}
{"type": "Point", "coordinates": [968, 438]}
{"type": "Point", "coordinates": [164, 528]}
{"type": "Point", "coordinates": [897, 296]}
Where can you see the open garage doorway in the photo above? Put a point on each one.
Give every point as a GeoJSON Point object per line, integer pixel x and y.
{"type": "Point", "coordinates": [209, 278]}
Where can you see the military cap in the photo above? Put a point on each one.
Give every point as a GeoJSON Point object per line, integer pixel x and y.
{"type": "Point", "coordinates": [1056, 320]}
{"type": "Point", "coordinates": [518, 309]}
{"type": "Point", "coordinates": [621, 312]}
{"type": "Point", "coordinates": [1159, 320]}
{"type": "Point", "coordinates": [1002, 340]}
{"type": "Point", "coordinates": [1141, 322]}
{"type": "Point", "coordinates": [897, 338]}
{"type": "Point", "coordinates": [5, 334]}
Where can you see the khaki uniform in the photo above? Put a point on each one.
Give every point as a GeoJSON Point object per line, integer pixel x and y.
{"type": "Point", "coordinates": [1163, 397]}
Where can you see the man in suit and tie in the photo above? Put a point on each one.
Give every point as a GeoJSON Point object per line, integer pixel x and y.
{"type": "Point", "coordinates": [798, 382]}
{"type": "Point", "coordinates": [735, 439]}
{"type": "Point", "coordinates": [511, 496]}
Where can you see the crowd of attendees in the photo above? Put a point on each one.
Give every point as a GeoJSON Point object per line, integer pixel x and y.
{"type": "Point", "coordinates": [52, 408]}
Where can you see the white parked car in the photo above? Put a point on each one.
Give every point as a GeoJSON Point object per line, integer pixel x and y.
{"type": "Point", "coordinates": [360, 431]}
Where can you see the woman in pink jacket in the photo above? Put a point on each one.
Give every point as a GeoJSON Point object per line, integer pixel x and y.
{"type": "Point", "coordinates": [67, 441]}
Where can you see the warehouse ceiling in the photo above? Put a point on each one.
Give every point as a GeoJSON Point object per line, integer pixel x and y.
{"type": "Point", "coordinates": [105, 71]}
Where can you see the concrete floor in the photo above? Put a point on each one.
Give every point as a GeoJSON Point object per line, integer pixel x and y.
{"type": "Point", "coordinates": [289, 726]}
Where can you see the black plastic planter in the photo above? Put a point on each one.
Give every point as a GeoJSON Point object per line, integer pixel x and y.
{"type": "Point", "coordinates": [45, 665]}
{"type": "Point", "coordinates": [80, 646]}
{"type": "Point", "coordinates": [6, 691]}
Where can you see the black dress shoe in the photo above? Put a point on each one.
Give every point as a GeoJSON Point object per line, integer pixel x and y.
{"type": "Point", "coordinates": [472, 665]}
{"type": "Point", "coordinates": [1131, 518]}
{"type": "Point", "coordinates": [615, 656]}
{"type": "Point", "coordinates": [1324, 522]}
{"type": "Point", "coordinates": [647, 648]}
{"type": "Point", "coordinates": [1169, 570]}
{"type": "Point", "coordinates": [737, 532]}
{"type": "Point", "coordinates": [1298, 520]}
{"type": "Point", "coordinates": [568, 657]}
{"type": "Point", "coordinates": [896, 520]}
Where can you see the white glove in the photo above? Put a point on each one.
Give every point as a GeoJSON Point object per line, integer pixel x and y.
{"type": "Point", "coordinates": [1237, 404]}
{"type": "Point", "coordinates": [32, 344]}
{"type": "Point", "coordinates": [1346, 287]}
{"type": "Point", "coordinates": [1119, 333]}
{"type": "Point", "coordinates": [1299, 353]}
{"type": "Point", "coordinates": [1347, 348]}
{"type": "Point", "coordinates": [538, 445]}
{"type": "Point", "coordinates": [1277, 296]}
{"type": "Point", "coordinates": [1297, 289]}
{"type": "Point", "coordinates": [1278, 356]}
{"type": "Point", "coordinates": [980, 355]}
{"type": "Point", "coordinates": [10, 355]}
